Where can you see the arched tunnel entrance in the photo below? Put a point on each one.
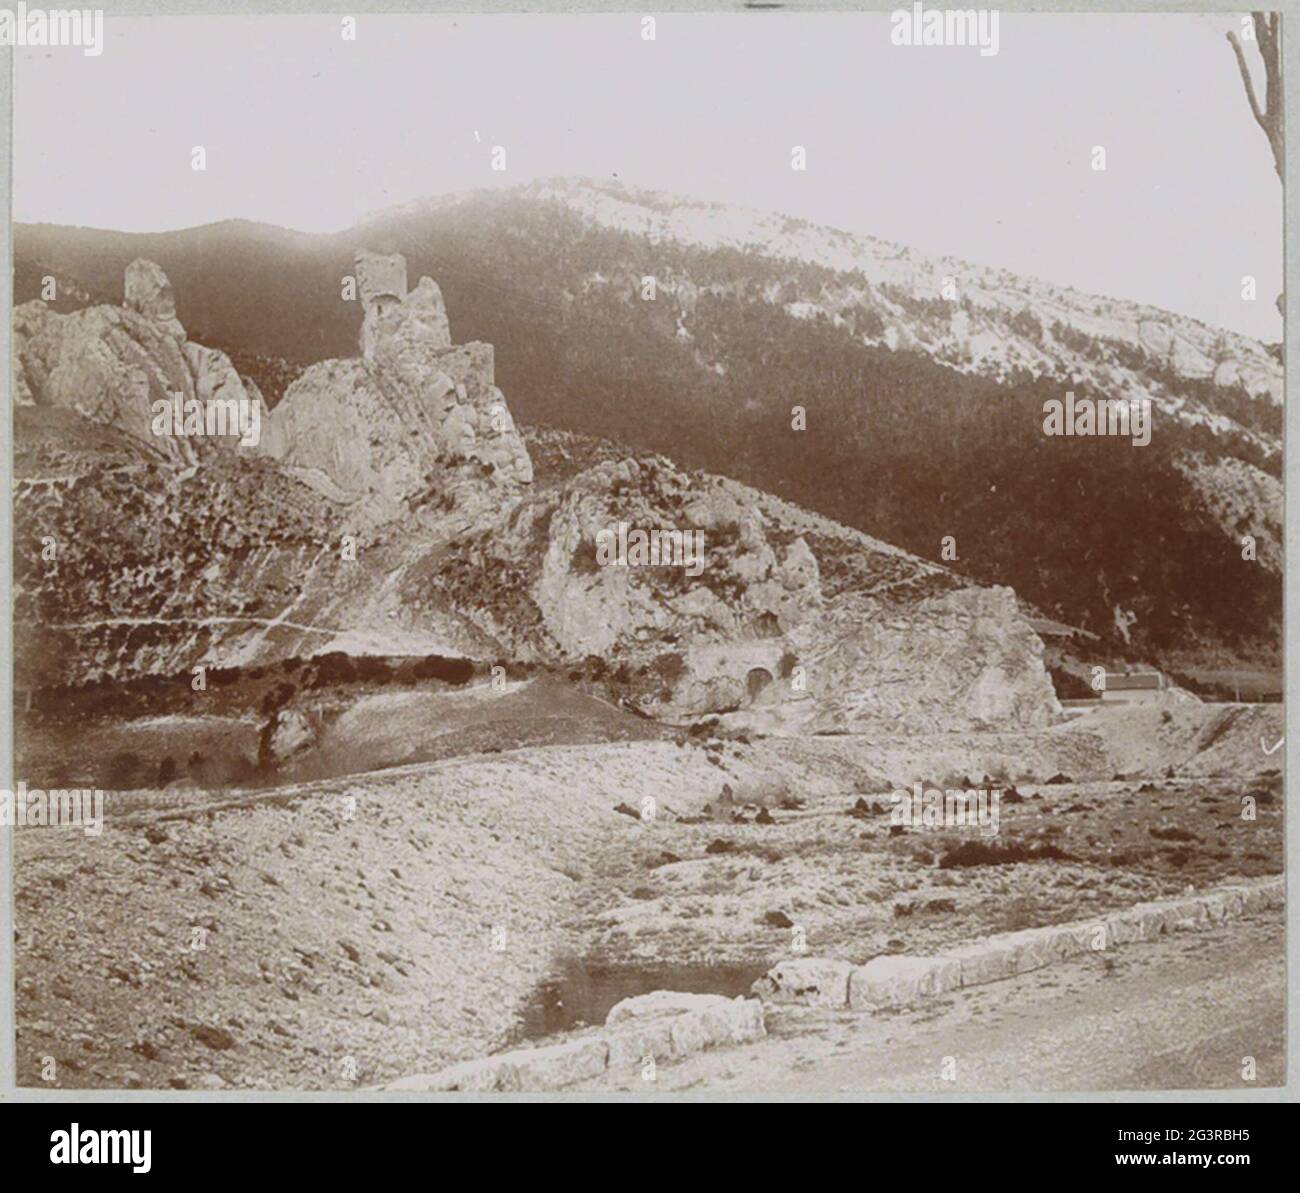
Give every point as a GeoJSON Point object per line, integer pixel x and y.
{"type": "Point", "coordinates": [758, 687]}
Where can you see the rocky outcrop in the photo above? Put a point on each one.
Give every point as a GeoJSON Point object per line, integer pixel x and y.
{"type": "Point", "coordinates": [963, 660]}
{"type": "Point", "coordinates": [214, 376]}
{"type": "Point", "coordinates": [111, 364]}
{"type": "Point", "coordinates": [415, 422]}
{"type": "Point", "coordinates": [806, 981]}
{"type": "Point", "coordinates": [701, 625]}
{"type": "Point", "coordinates": [690, 595]}
{"type": "Point", "coordinates": [149, 294]}
{"type": "Point", "coordinates": [743, 623]}
{"type": "Point", "coordinates": [744, 587]}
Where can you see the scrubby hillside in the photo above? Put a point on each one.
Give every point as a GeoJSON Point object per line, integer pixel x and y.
{"type": "Point", "coordinates": [922, 380]}
{"type": "Point", "coordinates": [391, 507]}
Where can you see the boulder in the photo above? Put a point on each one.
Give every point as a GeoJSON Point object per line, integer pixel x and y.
{"type": "Point", "coordinates": [487, 1075]}
{"type": "Point", "coordinates": [1004, 956]}
{"type": "Point", "coordinates": [894, 981]}
{"type": "Point", "coordinates": [663, 1002]}
{"type": "Point", "coordinates": [665, 1024]}
{"type": "Point", "coordinates": [1124, 927]}
{"type": "Point", "coordinates": [668, 1024]}
{"type": "Point", "coordinates": [635, 1040]}
{"type": "Point", "coordinates": [1042, 946]}
{"type": "Point", "coordinates": [1261, 896]}
{"type": "Point", "coordinates": [559, 1065]}
{"type": "Point", "coordinates": [809, 981]}
{"type": "Point", "coordinates": [287, 733]}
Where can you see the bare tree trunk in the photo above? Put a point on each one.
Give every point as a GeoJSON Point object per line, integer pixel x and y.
{"type": "Point", "coordinates": [1268, 115]}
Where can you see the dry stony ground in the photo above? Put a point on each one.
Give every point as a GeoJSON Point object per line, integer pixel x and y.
{"type": "Point", "coordinates": [341, 933]}
{"type": "Point", "coordinates": [728, 892]}
{"type": "Point", "coordinates": [315, 937]}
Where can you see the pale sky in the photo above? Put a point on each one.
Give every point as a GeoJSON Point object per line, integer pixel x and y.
{"type": "Point", "coordinates": [987, 158]}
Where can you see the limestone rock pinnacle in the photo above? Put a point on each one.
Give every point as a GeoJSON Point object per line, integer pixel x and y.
{"type": "Point", "coordinates": [149, 293]}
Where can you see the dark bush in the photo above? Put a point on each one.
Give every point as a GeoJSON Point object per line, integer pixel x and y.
{"type": "Point", "coordinates": [278, 697]}
{"type": "Point", "coordinates": [981, 853]}
{"type": "Point", "coordinates": [333, 668]}
{"type": "Point", "coordinates": [671, 667]}
{"type": "Point", "coordinates": [1173, 833]}
{"type": "Point", "coordinates": [444, 668]}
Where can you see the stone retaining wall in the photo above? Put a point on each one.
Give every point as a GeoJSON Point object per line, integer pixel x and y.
{"type": "Point", "coordinates": [894, 981]}
{"type": "Point", "coordinates": [670, 1026]}
{"type": "Point", "coordinates": [664, 1025]}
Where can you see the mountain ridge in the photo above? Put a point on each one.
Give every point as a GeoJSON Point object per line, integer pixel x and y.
{"type": "Point", "coordinates": [391, 503]}
{"type": "Point", "coordinates": [565, 185]}
{"type": "Point", "coordinates": [901, 388]}
{"type": "Point", "coordinates": [559, 183]}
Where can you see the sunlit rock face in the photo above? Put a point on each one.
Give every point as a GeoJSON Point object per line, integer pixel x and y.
{"type": "Point", "coordinates": [114, 364]}
{"type": "Point", "coordinates": [149, 294]}
{"type": "Point", "coordinates": [415, 423]}
{"type": "Point", "coordinates": [964, 659]}
{"type": "Point", "coordinates": [748, 628]}
{"type": "Point", "coordinates": [173, 555]}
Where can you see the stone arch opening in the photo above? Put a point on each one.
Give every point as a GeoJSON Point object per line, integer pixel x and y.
{"type": "Point", "coordinates": [757, 682]}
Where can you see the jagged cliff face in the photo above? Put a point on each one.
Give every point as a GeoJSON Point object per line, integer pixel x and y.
{"type": "Point", "coordinates": [791, 624]}
{"type": "Point", "coordinates": [687, 625]}
{"type": "Point", "coordinates": [112, 364]}
{"type": "Point", "coordinates": [391, 507]}
{"type": "Point", "coordinates": [913, 388]}
{"type": "Point", "coordinates": [414, 420]}
{"type": "Point", "coordinates": [961, 660]}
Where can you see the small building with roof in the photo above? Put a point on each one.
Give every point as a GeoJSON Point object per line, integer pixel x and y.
{"type": "Point", "coordinates": [1134, 686]}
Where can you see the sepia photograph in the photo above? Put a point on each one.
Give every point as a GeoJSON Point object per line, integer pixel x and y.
{"type": "Point", "coordinates": [686, 555]}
